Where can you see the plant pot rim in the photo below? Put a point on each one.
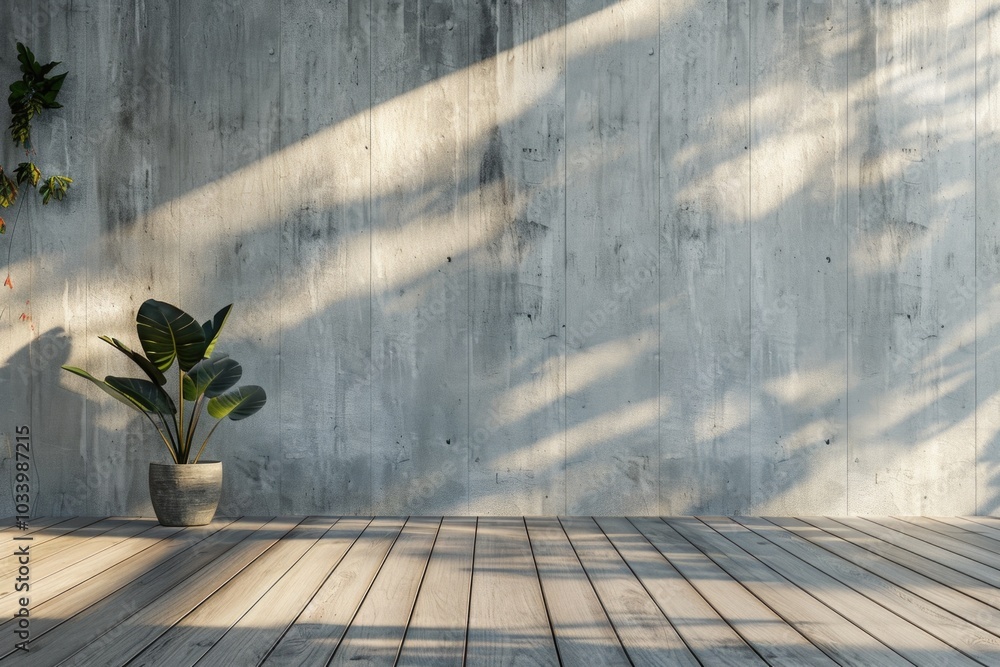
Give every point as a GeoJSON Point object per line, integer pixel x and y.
{"type": "Point", "coordinates": [172, 464]}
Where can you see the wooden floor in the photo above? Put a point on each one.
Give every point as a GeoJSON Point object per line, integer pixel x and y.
{"type": "Point", "coordinates": [506, 591]}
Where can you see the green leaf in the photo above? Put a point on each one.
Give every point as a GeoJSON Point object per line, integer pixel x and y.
{"type": "Point", "coordinates": [25, 57]}
{"type": "Point", "coordinates": [145, 364]}
{"type": "Point", "coordinates": [105, 387]}
{"type": "Point", "coordinates": [54, 186]}
{"type": "Point", "coordinates": [238, 404]}
{"type": "Point", "coordinates": [211, 377]}
{"type": "Point", "coordinates": [146, 395]}
{"type": "Point", "coordinates": [53, 86]}
{"type": "Point", "coordinates": [214, 328]}
{"type": "Point", "coordinates": [135, 397]}
{"type": "Point", "coordinates": [167, 333]}
{"type": "Point", "coordinates": [20, 128]}
{"type": "Point", "coordinates": [18, 89]}
{"type": "Point", "coordinates": [8, 190]}
{"type": "Point", "coordinates": [28, 97]}
{"type": "Point", "coordinates": [27, 172]}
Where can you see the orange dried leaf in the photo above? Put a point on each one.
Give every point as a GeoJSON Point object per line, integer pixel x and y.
{"type": "Point", "coordinates": [8, 283]}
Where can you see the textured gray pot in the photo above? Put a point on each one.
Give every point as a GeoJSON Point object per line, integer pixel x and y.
{"type": "Point", "coordinates": [185, 495]}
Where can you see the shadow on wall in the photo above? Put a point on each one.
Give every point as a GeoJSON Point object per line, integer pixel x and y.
{"type": "Point", "coordinates": [84, 459]}
{"type": "Point", "coordinates": [505, 274]}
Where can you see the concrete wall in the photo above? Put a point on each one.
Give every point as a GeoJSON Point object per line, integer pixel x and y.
{"type": "Point", "coordinates": [512, 257]}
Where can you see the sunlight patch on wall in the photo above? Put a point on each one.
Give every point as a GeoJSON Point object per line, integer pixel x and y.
{"type": "Point", "coordinates": [315, 158]}
{"type": "Point", "coordinates": [900, 404]}
{"type": "Point", "coordinates": [612, 426]}
{"type": "Point", "coordinates": [809, 389]}
{"type": "Point", "coordinates": [329, 169]}
{"type": "Point", "coordinates": [711, 425]}
{"type": "Point", "coordinates": [583, 370]}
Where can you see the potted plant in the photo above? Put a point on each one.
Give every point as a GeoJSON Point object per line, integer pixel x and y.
{"type": "Point", "coordinates": [183, 494]}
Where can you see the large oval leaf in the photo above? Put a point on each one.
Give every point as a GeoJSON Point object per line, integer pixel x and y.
{"type": "Point", "coordinates": [211, 377]}
{"type": "Point", "coordinates": [238, 404]}
{"type": "Point", "coordinates": [168, 333]}
{"type": "Point", "coordinates": [213, 328]}
{"type": "Point", "coordinates": [146, 395]}
{"type": "Point", "coordinates": [154, 373]}
{"type": "Point", "coordinates": [104, 387]}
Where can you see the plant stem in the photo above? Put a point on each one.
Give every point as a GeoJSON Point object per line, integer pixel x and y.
{"type": "Point", "coordinates": [183, 443]}
{"type": "Point", "coordinates": [206, 441]}
{"type": "Point", "coordinates": [13, 228]}
{"type": "Point", "coordinates": [162, 437]}
{"type": "Point", "coordinates": [167, 423]}
{"type": "Point", "coordinates": [194, 418]}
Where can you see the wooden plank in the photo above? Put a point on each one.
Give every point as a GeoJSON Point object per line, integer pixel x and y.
{"type": "Point", "coordinates": [420, 257]}
{"type": "Point", "coordinates": [508, 623]}
{"type": "Point", "coordinates": [987, 286]}
{"type": "Point", "coordinates": [934, 568]}
{"type": "Point", "coordinates": [435, 635]}
{"type": "Point", "coordinates": [705, 254]}
{"type": "Point", "coordinates": [772, 638]}
{"type": "Point", "coordinates": [101, 617]}
{"type": "Point", "coordinates": [257, 631]}
{"type": "Point", "coordinates": [39, 526]}
{"type": "Point", "coordinates": [970, 524]}
{"type": "Point", "coordinates": [318, 622]}
{"type": "Point", "coordinates": [921, 607]}
{"type": "Point", "coordinates": [58, 583]}
{"type": "Point", "coordinates": [323, 294]}
{"type": "Point", "coordinates": [105, 532]}
{"type": "Point", "coordinates": [948, 527]}
{"type": "Point", "coordinates": [912, 360]}
{"type": "Point", "coordinates": [976, 547]}
{"type": "Point", "coordinates": [647, 635]}
{"type": "Point", "coordinates": [936, 589]}
{"type": "Point", "coordinates": [582, 630]}
{"type": "Point", "coordinates": [124, 641]}
{"type": "Point", "coordinates": [840, 639]}
{"type": "Point", "coordinates": [907, 639]}
{"type": "Point", "coordinates": [377, 630]}
{"type": "Point", "coordinates": [47, 529]}
{"type": "Point", "coordinates": [943, 557]}
{"type": "Point", "coordinates": [119, 590]}
{"type": "Point", "coordinates": [191, 637]}
{"type": "Point", "coordinates": [612, 301]}
{"type": "Point", "coordinates": [989, 521]}
{"type": "Point", "coordinates": [708, 636]}
{"type": "Point", "coordinates": [517, 213]}
{"type": "Point", "coordinates": [798, 155]}
{"type": "Point", "coordinates": [60, 564]}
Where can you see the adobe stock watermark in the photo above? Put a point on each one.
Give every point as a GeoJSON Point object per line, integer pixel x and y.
{"type": "Point", "coordinates": [22, 543]}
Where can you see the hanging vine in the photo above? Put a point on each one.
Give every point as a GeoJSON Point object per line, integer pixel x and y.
{"type": "Point", "coordinates": [32, 94]}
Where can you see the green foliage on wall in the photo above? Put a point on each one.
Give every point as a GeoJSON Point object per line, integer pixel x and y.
{"type": "Point", "coordinates": [33, 93]}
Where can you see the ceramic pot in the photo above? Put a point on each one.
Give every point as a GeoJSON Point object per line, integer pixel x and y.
{"type": "Point", "coordinates": [185, 495]}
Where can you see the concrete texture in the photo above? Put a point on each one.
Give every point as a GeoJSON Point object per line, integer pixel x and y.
{"type": "Point", "coordinates": [565, 256]}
